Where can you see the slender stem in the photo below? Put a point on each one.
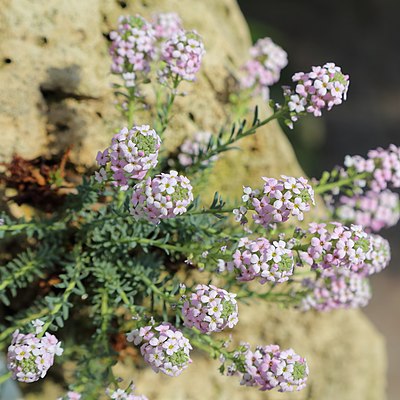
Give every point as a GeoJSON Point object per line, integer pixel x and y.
{"type": "Point", "coordinates": [164, 116]}
{"type": "Point", "coordinates": [104, 312]}
{"type": "Point", "coordinates": [206, 343]}
{"type": "Point", "coordinates": [220, 148]}
{"type": "Point", "coordinates": [202, 346]}
{"type": "Point", "coordinates": [21, 272]}
{"type": "Point", "coordinates": [7, 332]}
{"type": "Point", "coordinates": [319, 189]}
{"type": "Point", "coordinates": [131, 107]}
{"type": "Point", "coordinates": [5, 377]}
{"type": "Point", "coordinates": [19, 227]}
{"type": "Point", "coordinates": [210, 211]}
{"type": "Point", "coordinates": [120, 199]}
{"type": "Point", "coordinates": [156, 290]}
{"type": "Point", "coordinates": [155, 243]}
{"type": "Point", "coordinates": [126, 301]}
{"type": "Point", "coordinates": [62, 300]}
{"type": "Point", "coordinates": [267, 120]}
{"type": "Point", "coordinates": [16, 227]}
{"type": "Point", "coordinates": [302, 247]}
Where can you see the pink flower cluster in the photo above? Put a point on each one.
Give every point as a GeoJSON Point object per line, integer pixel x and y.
{"type": "Point", "coordinates": [263, 260]}
{"type": "Point", "coordinates": [382, 166]}
{"type": "Point", "coordinates": [182, 55]}
{"type": "Point", "coordinates": [71, 396]}
{"type": "Point", "coordinates": [336, 245]}
{"type": "Point", "coordinates": [269, 367]}
{"type": "Point", "coordinates": [279, 199]}
{"type": "Point", "coordinates": [336, 288]}
{"type": "Point", "coordinates": [166, 25]}
{"type": "Point", "coordinates": [128, 394]}
{"type": "Point", "coordinates": [131, 154]}
{"type": "Point", "coordinates": [378, 258]}
{"type": "Point", "coordinates": [374, 211]}
{"type": "Point", "coordinates": [264, 68]}
{"type": "Point", "coordinates": [164, 196]}
{"type": "Point", "coordinates": [163, 347]}
{"type": "Point", "coordinates": [210, 309]}
{"type": "Point", "coordinates": [191, 148]}
{"type": "Point", "coordinates": [132, 48]}
{"type": "Point", "coordinates": [323, 87]}
{"type": "Point", "coordinates": [29, 357]}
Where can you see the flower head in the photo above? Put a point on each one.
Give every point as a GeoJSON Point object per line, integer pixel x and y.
{"type": "Point", "coordinates": [71, 395]}
{"type": "Point", "coordinates": [373, 210]}
{"type": "Point", "coordinates": [210, 309]}
{"type": "Point", "coordinates": [378, 258]}
{"type": "Point", "coordinates": [165, 25]}
{"type": "Point", "coordinates": [382, 168]}
{"type": "Point", "coordinates": [336, 289]}
{"type": "Point", "coordinates": [29, 357]}
{"type": "Point", "coordinates": [321, 88]}
{"type": "Point", "coordinates": [131, 155]}
{"type": "Point", "coordinates": [163, 347]}
{"type": "Point", "coordinates": [263, 260]}
{"type": "Point", "coordinates": [264, 68]}
{"type": "Point", "coordinates": [128, 394]}
{"type": "Point", "coordinates": [132, 48]}
{"type": "Point", "coordinates": [182, 55]}
{"type": "Point", "coordinates": [165, 196]}
{"type": "Point", "coordinates": [269, 367]}
{"type": "Point", "coordinates": [280, 199]}
{"type": "Point", "coordinates": [335, 245]}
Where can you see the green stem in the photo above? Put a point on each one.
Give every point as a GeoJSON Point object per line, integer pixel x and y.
{"type": "Point", "coordinates": [156, 290]}
{"type": "Point", "coordinates": [205, 343]}
{"type": "Point", "coordinates": [202, 346]}
{"type": "Point", "coordinates": [104, 312]}
{"type": "Point", "coordinates": [120, 199]}
{"type": "Point", "coordinates": [319, 189]}
{"type": "Point", "coordinates": [131, 107]}
{"type": "Point", "coordinates": [210, 211]}
{"type": "Point", "coordinates": [164, 116]}
{"type": "Point", "coordinates": [126, 301]}
{"type": "Point", "coordinates": [5, 377]}
{"type": "Point", "coordinates": [227, 146]}
{"type": "Point", "coordinates": [155, 243]}
{"type": "Point", "coordinates": [21, 272]}
{"type": "Point", "coordinates": [19, 227]}
{"type": "Point", "coordinates": [7, 332]}
{"type": "Point", "coordinates": [62, 300]}
{"type": "Point", "coordinates": [302, 247]}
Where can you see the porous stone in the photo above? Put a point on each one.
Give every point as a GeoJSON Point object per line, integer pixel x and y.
{"type": "Point", "coordinates": [55, 93]}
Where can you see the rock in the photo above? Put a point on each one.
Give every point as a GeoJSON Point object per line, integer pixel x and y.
{"type": "Point", "coordinates": [54, 75]}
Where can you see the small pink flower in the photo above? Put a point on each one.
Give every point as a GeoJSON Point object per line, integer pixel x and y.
{"type": "Point", "coordinates": [30, 357]}
{"type": "Point", "coordinates": [166, 349]}
{"type": "Point", "coordinates": [164, 196]}
{"type": "Point", "coordinates": [216, 309]}
{"type": "Point", "coordinates": [264, 68]}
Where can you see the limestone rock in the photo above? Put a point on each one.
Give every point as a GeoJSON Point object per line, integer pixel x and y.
{"type": "Point", "coordinates": [55, 93]}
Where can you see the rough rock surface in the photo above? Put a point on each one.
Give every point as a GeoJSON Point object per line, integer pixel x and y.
{"type": "Point", "coordinates": [54, 79]}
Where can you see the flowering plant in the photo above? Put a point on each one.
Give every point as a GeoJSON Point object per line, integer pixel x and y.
{"type": "Point", "coordinates": [123, 249]}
